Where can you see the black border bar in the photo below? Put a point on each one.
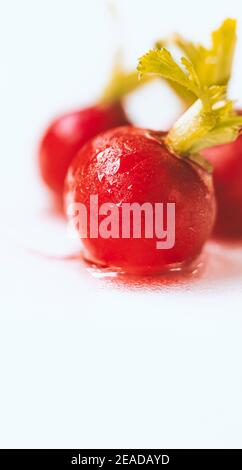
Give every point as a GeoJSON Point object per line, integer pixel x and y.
{"type": "Point", "coordinates": [106, 458]}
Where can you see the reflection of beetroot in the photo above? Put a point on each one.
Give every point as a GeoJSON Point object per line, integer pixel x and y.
{"type": "Point", "coordinates": [134, 165]}
{"type": "Point", "coordinates": [66, 135]}
{"type": "Point", "coordinates": [227, 163]}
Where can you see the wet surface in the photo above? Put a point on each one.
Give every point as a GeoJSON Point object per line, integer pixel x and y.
{"type": "Point", "coordinates": [44, 235]}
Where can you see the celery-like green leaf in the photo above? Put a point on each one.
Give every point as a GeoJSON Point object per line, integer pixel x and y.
{"type": "Point", "coordinates": [185, 95]}
{"type": "Point", "coordinates": [213, 65]}
{"type": "Point", "coordinates": [191, 127]}
{"type": "Point", "coordinates": [224, 132]}
{"type": "Point", "coordinates": [161, 63]}
{"type": "Point", "coordinates": [209, 121]}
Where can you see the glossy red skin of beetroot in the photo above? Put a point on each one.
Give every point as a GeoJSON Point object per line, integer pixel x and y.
{"type": "Point", "coordinates": [136, 166]}
{"type": "Point", "coordinates": [227, 163]}
{"type": "Point", "coordinates": [67, 134]}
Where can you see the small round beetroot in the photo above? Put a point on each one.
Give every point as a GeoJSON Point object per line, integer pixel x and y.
{"type": "Point", "coordinates": [66, 135]}
{"type": "Point", "coordinates": [131, 165]}
{"type": "Point", "coordinates": [227, 173]}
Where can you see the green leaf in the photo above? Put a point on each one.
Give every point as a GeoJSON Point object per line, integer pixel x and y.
{"type": "Point", "coordinates": [209, 121]}
{"type": "Point", "coordinates": [191, 127]}
{"type": "Point", "coordinates": [187, 96]}
{"type": "Point", "coordinates": [213, 65]}
{"type": "Point", "coordinates": [121, 83]}
{"type": "Point", "coordinates": [224, 132]}
{"type": "Point", "coordinates": [161, 63]}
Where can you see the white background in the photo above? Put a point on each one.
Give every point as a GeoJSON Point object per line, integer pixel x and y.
{"type": "Point", "coordinates": [85, 361]}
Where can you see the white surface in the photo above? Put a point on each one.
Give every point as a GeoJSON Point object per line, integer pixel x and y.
{"type": "Point", "coordinates": [87, 362]}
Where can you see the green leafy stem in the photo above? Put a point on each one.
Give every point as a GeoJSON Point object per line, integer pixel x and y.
{"type": "Point", "coordinates": [209, 121]}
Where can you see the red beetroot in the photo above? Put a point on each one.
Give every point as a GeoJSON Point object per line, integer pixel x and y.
{"type": "Point", "coordinates": [227, 163]}
{"type": "Point", "coordinates": [66, 135]}
{"type": "Point", "coordinates": [129, 165]}
{"type": "Point", "coordinates": [135, 165]}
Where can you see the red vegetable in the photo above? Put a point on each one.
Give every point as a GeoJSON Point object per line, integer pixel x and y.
{"type": "Point", "coordinates": [227, 163]}
{"type": "Point", "coordinates": [66, 135]}
{"type": "Point", "coordinates": [130, 165]}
